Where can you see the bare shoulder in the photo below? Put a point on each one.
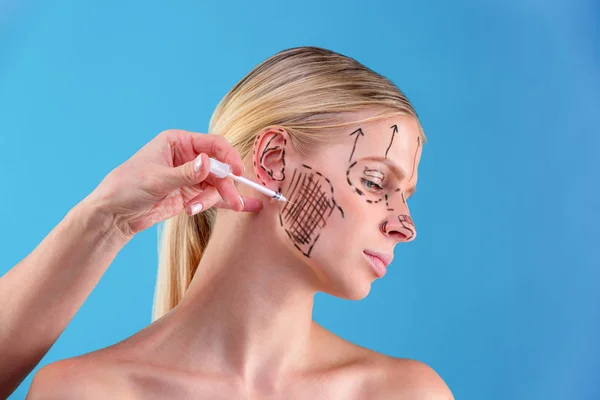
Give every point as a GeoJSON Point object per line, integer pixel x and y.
{"type": "Point", "coordinates": [382, 376]}
{"type": "Point", "coordinates": [405, 378]}
{"type": "Point", "coordinates": [76, 378]}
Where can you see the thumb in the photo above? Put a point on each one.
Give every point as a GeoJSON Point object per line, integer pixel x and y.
{"type": "Point", "coordinates": [190, 173]}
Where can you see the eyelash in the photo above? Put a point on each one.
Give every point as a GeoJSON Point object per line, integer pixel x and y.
{"type": "Point", "coordinates": [365, 183]}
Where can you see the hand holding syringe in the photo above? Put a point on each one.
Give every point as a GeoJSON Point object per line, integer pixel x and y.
{"type": "Point", "coordinates": [222, 170]}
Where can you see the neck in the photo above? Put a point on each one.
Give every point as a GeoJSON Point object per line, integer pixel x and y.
{"type": "Point", "coordinates": [248, 311]}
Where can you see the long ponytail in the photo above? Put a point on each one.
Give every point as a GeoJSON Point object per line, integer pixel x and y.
{"type": "Point", "coordinates": [182, 240]}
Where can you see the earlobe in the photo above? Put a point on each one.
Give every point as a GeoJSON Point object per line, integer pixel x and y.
{"type": "Point", "coordinates": [269, 156]}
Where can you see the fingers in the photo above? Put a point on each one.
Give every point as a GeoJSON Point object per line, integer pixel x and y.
{"type": "Point", "coordinates": [196, 171]}
{"type": "Point", "coordinates": [251, 204]}
{"type": "Point", "coordinates": [210, 197]}
{"type": "Point", "coordinates": [229, 193]}
{"type": "Point", "coordinates": [205, 200]}
{"type": "Point", "coordinates": [220, 192]}
{"type": "Point", "coordinates": [218, 147]}
{"type": "Point", "coordinates": [217, 190]}
{"type": "Point", "coordinates": [188, 174]}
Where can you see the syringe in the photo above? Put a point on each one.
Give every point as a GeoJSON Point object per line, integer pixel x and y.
{"type": "Point", "coordinates": [222, 170]}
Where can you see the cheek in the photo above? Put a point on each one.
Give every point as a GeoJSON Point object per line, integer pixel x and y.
{"type": "Point", "coordinates": [312, 203]}
{"type": "Point", "coordinates": [359, 218]}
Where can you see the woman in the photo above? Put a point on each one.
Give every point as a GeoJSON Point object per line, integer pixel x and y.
{"type": "Point", "coordinates": [234, 297]}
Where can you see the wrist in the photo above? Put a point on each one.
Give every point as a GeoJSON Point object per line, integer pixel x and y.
{"type": "Point", "coordinates": [96, 215]}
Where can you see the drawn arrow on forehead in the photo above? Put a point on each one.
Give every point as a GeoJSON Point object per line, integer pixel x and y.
{"type": "Point", "coordinates": [358, 134]}
{"type": "Point", "coordinates": [394, 131]}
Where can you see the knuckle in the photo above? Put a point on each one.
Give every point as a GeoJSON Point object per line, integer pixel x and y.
{"type": "Point", "coordinates": [171, 134]}
{"type": "Point", "coordinates": [170, 131]}
{"type": "Point", "coordinates": [229, 154]}
{"type": "Point", "coordinates": [187, 174]}
{"type": "Point", "coordinates": [167, 132]}
{"type": "Point", "coordinates": [220, 146]}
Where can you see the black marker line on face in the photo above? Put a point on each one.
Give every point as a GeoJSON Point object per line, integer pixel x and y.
{"type": "Point", "coordinates": [348, 173]}
{"type": "Point", "coordinates": [384, 226]}
{"type": "Point", "coordinates": [262, 156]}
{"type": "Point", "coordinates": [415, 160]}
{"type": "Point", "coordinates": [401, 194]}
{"type": "Point", "coordinates": [310, 206]}
{"type": "Point", "coordinates": [283, 154]}
{"type": "Point", "coordinates": [407, 223]}
{"type": "Point", "coordinates": [358, 134]}
{"type": "Point", "coordinates": [357, 190]}
{"type": "Point", "coordinates": [254, 149]}
{"type": "Point", "coordinates": [373, 173]}
{"type": "Point", "coordinates": [394, 131]}
{"type": "Point", "coordinates": [270, 173]}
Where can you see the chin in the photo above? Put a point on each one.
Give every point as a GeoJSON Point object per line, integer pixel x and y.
{"type": "Point", "coordinates": [342, 277]}
{"type": "Point", "coordinates": [350, 287]}
{"type": "Point", "coordinates": [355, 293]}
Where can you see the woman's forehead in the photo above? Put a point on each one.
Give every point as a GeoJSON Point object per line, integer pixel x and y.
{"type": "Point", "coordinates": [395, 138]}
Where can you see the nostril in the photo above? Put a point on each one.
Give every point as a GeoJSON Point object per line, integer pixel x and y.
{"type": "Point", "coordinates": [400, 228]}
{"type": "Point", "coordinates": [398, 235]}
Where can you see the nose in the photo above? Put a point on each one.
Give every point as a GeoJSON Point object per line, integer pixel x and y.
{"type": "Point", "coordinates": [399, 227]}
{"type": "Point", "coordinates": [398, 224]}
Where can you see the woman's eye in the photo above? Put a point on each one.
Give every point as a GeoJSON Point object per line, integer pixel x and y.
{"type": "Point", "coordinates": [371, 185]}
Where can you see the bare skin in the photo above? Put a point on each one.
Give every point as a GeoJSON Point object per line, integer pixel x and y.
{"type": "Point", "coordinates": [41, 293]}
{"type": "Point", "coordinates": [244, 328]}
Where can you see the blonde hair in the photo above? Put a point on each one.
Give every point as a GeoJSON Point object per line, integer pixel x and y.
{"type": "Point", "coordinates": [304, 90]}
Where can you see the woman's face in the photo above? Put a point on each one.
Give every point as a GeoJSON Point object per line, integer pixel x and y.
{"type": "Point", "coordinates": [348, 200]}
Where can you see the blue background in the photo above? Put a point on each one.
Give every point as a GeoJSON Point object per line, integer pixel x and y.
{"type": "Point", "coordinates": [499, 294]}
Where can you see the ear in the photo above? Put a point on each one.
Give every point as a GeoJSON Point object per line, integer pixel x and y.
{"type": "Point", "coordinates": [269, 157]}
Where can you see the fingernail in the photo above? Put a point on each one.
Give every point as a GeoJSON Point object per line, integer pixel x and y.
{"type": "Point", "coordinates": [196, 208]}
{"type": "Point", "coordinates": [242, 201]}
{"type": "Point", "coordinates": [198, 163]}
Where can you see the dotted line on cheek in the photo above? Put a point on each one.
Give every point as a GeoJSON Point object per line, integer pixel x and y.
{"type": "Point", "coordinates": [332, 196]}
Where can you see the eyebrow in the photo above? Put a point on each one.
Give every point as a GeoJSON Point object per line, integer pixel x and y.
{"type": "Point", "coordinates": [399, 172]}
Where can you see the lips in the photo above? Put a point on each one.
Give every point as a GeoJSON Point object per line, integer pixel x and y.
{"type": "Point", "coordinates": [378, 261]}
